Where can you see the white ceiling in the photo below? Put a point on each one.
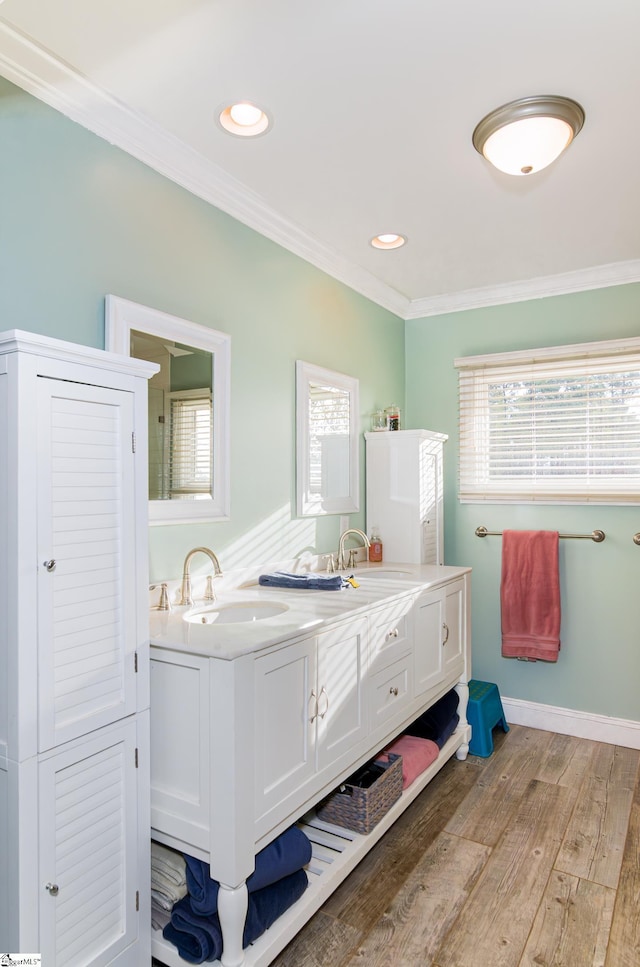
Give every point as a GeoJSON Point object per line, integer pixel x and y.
{"type": "Point", "coordinates": [373, 104]}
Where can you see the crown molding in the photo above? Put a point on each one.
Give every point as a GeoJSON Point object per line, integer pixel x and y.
{"type": "Point", "coordinates": [597, 277]}
{"type": "Point", "coordinates": [41, 74]}
{"type": "Point", "coordinates": [50, 80]}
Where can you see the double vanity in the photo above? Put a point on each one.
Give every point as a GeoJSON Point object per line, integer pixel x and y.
{"type": "Point", "coordinates": [264, 700]}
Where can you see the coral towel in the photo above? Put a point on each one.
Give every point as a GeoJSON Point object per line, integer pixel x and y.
{"type": "Point", "coordinates": [530, 595]}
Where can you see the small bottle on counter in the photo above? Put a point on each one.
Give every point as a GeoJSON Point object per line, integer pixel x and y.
{"type": "Point", "coordinates": [375, 546]}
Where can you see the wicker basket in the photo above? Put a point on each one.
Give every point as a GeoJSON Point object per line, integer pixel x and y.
{"type": "Point", "coordinates": [361, 809]}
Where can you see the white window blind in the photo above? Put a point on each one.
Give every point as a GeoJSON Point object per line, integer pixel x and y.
{"type": "Point", "coordinates": [558, 425]}
{"type": "Point", "coordinates": [191, 442]}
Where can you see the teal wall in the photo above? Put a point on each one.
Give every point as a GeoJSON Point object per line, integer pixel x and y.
{"type": "Point", "coordinates": [599, 664]}
{"type": "Point", "coordinates": [81, 219]}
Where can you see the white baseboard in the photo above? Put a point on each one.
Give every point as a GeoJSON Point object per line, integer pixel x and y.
{"type": "Point", "coordinates": [566, 721]}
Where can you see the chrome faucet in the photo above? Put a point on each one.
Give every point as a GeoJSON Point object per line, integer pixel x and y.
{"type": "Point", "coordinates": [185, 596]}
{"type": "Point", "coordinates": [351, 530]}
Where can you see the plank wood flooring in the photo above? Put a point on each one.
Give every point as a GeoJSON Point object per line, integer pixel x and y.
{"type": "Point", "coordinates": [530, 858]}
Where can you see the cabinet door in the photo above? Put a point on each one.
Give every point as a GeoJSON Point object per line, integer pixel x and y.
{"type": "Point", "coordinates": [88, 850]}
{"type": "Point", "coordinates": [455, 622]}
{"type": "Point", "coordinates": [428, 626]}
{"type": "Point", "coordinates": [86, 593]}
{"type": "Point", "coordinates": [285, 714]}
{"type": "Point", "coordinates": [341, 715]}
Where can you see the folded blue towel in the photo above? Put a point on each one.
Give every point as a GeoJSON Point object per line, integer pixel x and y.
{"type": "Point", "coordinates": [290, 851]}
{"type": "Point", "coordinates": [319, 582]}
{"type": "Point", "coordinates": [433, 723]}
{"type": "Point", "coordinates": [448, 730]}
{"type": "Point", "coordinates": [200, 938]}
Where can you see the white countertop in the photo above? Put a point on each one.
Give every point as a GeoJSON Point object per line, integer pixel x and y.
{"type": "Point", "coordinates": [307, 611]}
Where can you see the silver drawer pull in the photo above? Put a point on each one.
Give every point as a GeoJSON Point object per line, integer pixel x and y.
{"type": "Point", "coordinates": [326, 698]}
{"type": "Point", "coordinates": [49, 565]}
{"type": "Point", "coordinates": [52, 888]}
{"type": "Point", "coordinates": [446, 633]}
{"type": "Point", "coordinates": [393, 690]}
{"type": "Point", "coordinates": [394, 633]}
{"type": "Point", "coordinates": [313, 698]}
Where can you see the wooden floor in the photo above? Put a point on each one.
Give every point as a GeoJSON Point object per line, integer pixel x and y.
{"type": "Point", "coordinates": [530, 858]}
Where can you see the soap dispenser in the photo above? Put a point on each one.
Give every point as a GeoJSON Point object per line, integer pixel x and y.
{"type": "Point", "coordinates": [375, 546]}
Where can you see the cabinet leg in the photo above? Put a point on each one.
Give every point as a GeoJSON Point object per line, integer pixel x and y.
{"type": "Point", "coordinates": [462, 688]}
{"type": "Point", "coordinates": [232, 911]}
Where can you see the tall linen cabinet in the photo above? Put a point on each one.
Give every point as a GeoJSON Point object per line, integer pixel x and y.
{"type": "Point", "coordinates": [74, 686]}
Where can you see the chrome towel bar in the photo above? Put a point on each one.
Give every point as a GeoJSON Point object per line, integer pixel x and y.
{"type": "Point", "coordinates": [596, 536]}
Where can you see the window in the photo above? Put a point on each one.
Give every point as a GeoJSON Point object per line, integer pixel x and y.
{"type": "Point", "coordinates": [558, 425]}
{"type": "Point", "coordinates": [190, 444]}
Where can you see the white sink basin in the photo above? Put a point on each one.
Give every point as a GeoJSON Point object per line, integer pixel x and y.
{"type": "Point", "coordinates": [236, 612]}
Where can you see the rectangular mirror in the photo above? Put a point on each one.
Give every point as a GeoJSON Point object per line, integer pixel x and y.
{"type": "Point", "coordinates": [188, 409]}
{"type": "Point", "coordinates": [327, 414]}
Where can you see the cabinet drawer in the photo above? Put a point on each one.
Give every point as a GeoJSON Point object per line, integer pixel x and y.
{"type": "Point", "coordinates": [389, 635]}
{"type": "Point", "coordinates": [391, 691]}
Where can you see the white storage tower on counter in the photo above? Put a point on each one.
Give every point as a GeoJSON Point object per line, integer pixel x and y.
{"type": "Point", "coordinates": [404, 493]}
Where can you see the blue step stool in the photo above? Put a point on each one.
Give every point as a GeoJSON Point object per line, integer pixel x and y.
{"type": "Point", "coordinates": [484, 712]}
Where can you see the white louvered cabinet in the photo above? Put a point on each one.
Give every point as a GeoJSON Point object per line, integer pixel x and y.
{"type": "Point", "coordinates": [74, 692]}
{"type": "Point", "coordinates": [404, 472]}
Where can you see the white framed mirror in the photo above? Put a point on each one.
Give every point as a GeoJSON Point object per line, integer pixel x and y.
{"type": "Point", "coordinates": [327, 451]}
{"type": "Point", "coordinates": [189, 479]}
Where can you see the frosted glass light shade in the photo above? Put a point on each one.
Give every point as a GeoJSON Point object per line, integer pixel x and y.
{"type": "Point", "coordinates": [525, 136]}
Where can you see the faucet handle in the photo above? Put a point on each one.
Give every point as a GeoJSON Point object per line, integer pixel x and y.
{"type": "Point", "coordinates": [209, 594]}
{"type": "Point", "coordinates": [331, 565]}
{"type": "Point", "coordinates": [352, 558]}
{"type": "Point", "coordinates": [164, 604]}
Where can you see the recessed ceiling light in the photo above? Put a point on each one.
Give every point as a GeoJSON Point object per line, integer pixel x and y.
{"type": "Point", "coordinates": [244, 119]}
{"type": "Point", "coordinates": [388, 240]}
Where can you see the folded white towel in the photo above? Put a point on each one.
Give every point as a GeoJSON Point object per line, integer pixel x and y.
{"type": "Point", "coordinates": [159, 917]}
{"type": "Point", "coordinates": [167, 897]}
{"type": "Point", "coordinates": [169, 862]}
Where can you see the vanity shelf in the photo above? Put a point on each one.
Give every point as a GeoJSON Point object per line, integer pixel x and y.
{"type": "Point", "coordinates": [335, 853]}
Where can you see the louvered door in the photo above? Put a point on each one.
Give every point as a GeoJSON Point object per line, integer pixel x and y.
{"type": "Point", "coordinates": [88, 849]}
{"type": "Point", "coordinates": [86, 559]}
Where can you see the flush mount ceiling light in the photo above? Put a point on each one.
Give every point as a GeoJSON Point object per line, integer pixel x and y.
{"type": "Point", "coordinates": [525, 136]}
{"type": "Point", "coordinates": [389, 240]}
{"type": "Point", "coordinates": [244, 119]}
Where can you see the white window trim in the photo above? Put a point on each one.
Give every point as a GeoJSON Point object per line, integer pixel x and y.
{"type": "Point", "coordinates": [475, 486]}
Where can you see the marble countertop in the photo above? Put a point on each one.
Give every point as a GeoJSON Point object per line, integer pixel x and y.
{"type": "Point", "coordinates": [307, 611]}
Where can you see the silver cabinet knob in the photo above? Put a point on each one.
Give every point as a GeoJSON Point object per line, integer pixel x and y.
{"type": "Point", "coordinates": [52, 888]}
{"type": "Point", "coordinates": [393, 690]}
{"type": "Point", "coordinates": [49, 565]}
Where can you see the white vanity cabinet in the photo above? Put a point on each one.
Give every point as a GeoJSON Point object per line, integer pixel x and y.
{"type": "Point", "coordinates": [74, 692]}
{"type": "Point", "coordinates": [439, 630]}
{"type": "Point", "coordinates": [391, 673]}
{"type": "Point", "coordinates": [247, 738]}
{"type": "Point", "coordinates": [310, 712]}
